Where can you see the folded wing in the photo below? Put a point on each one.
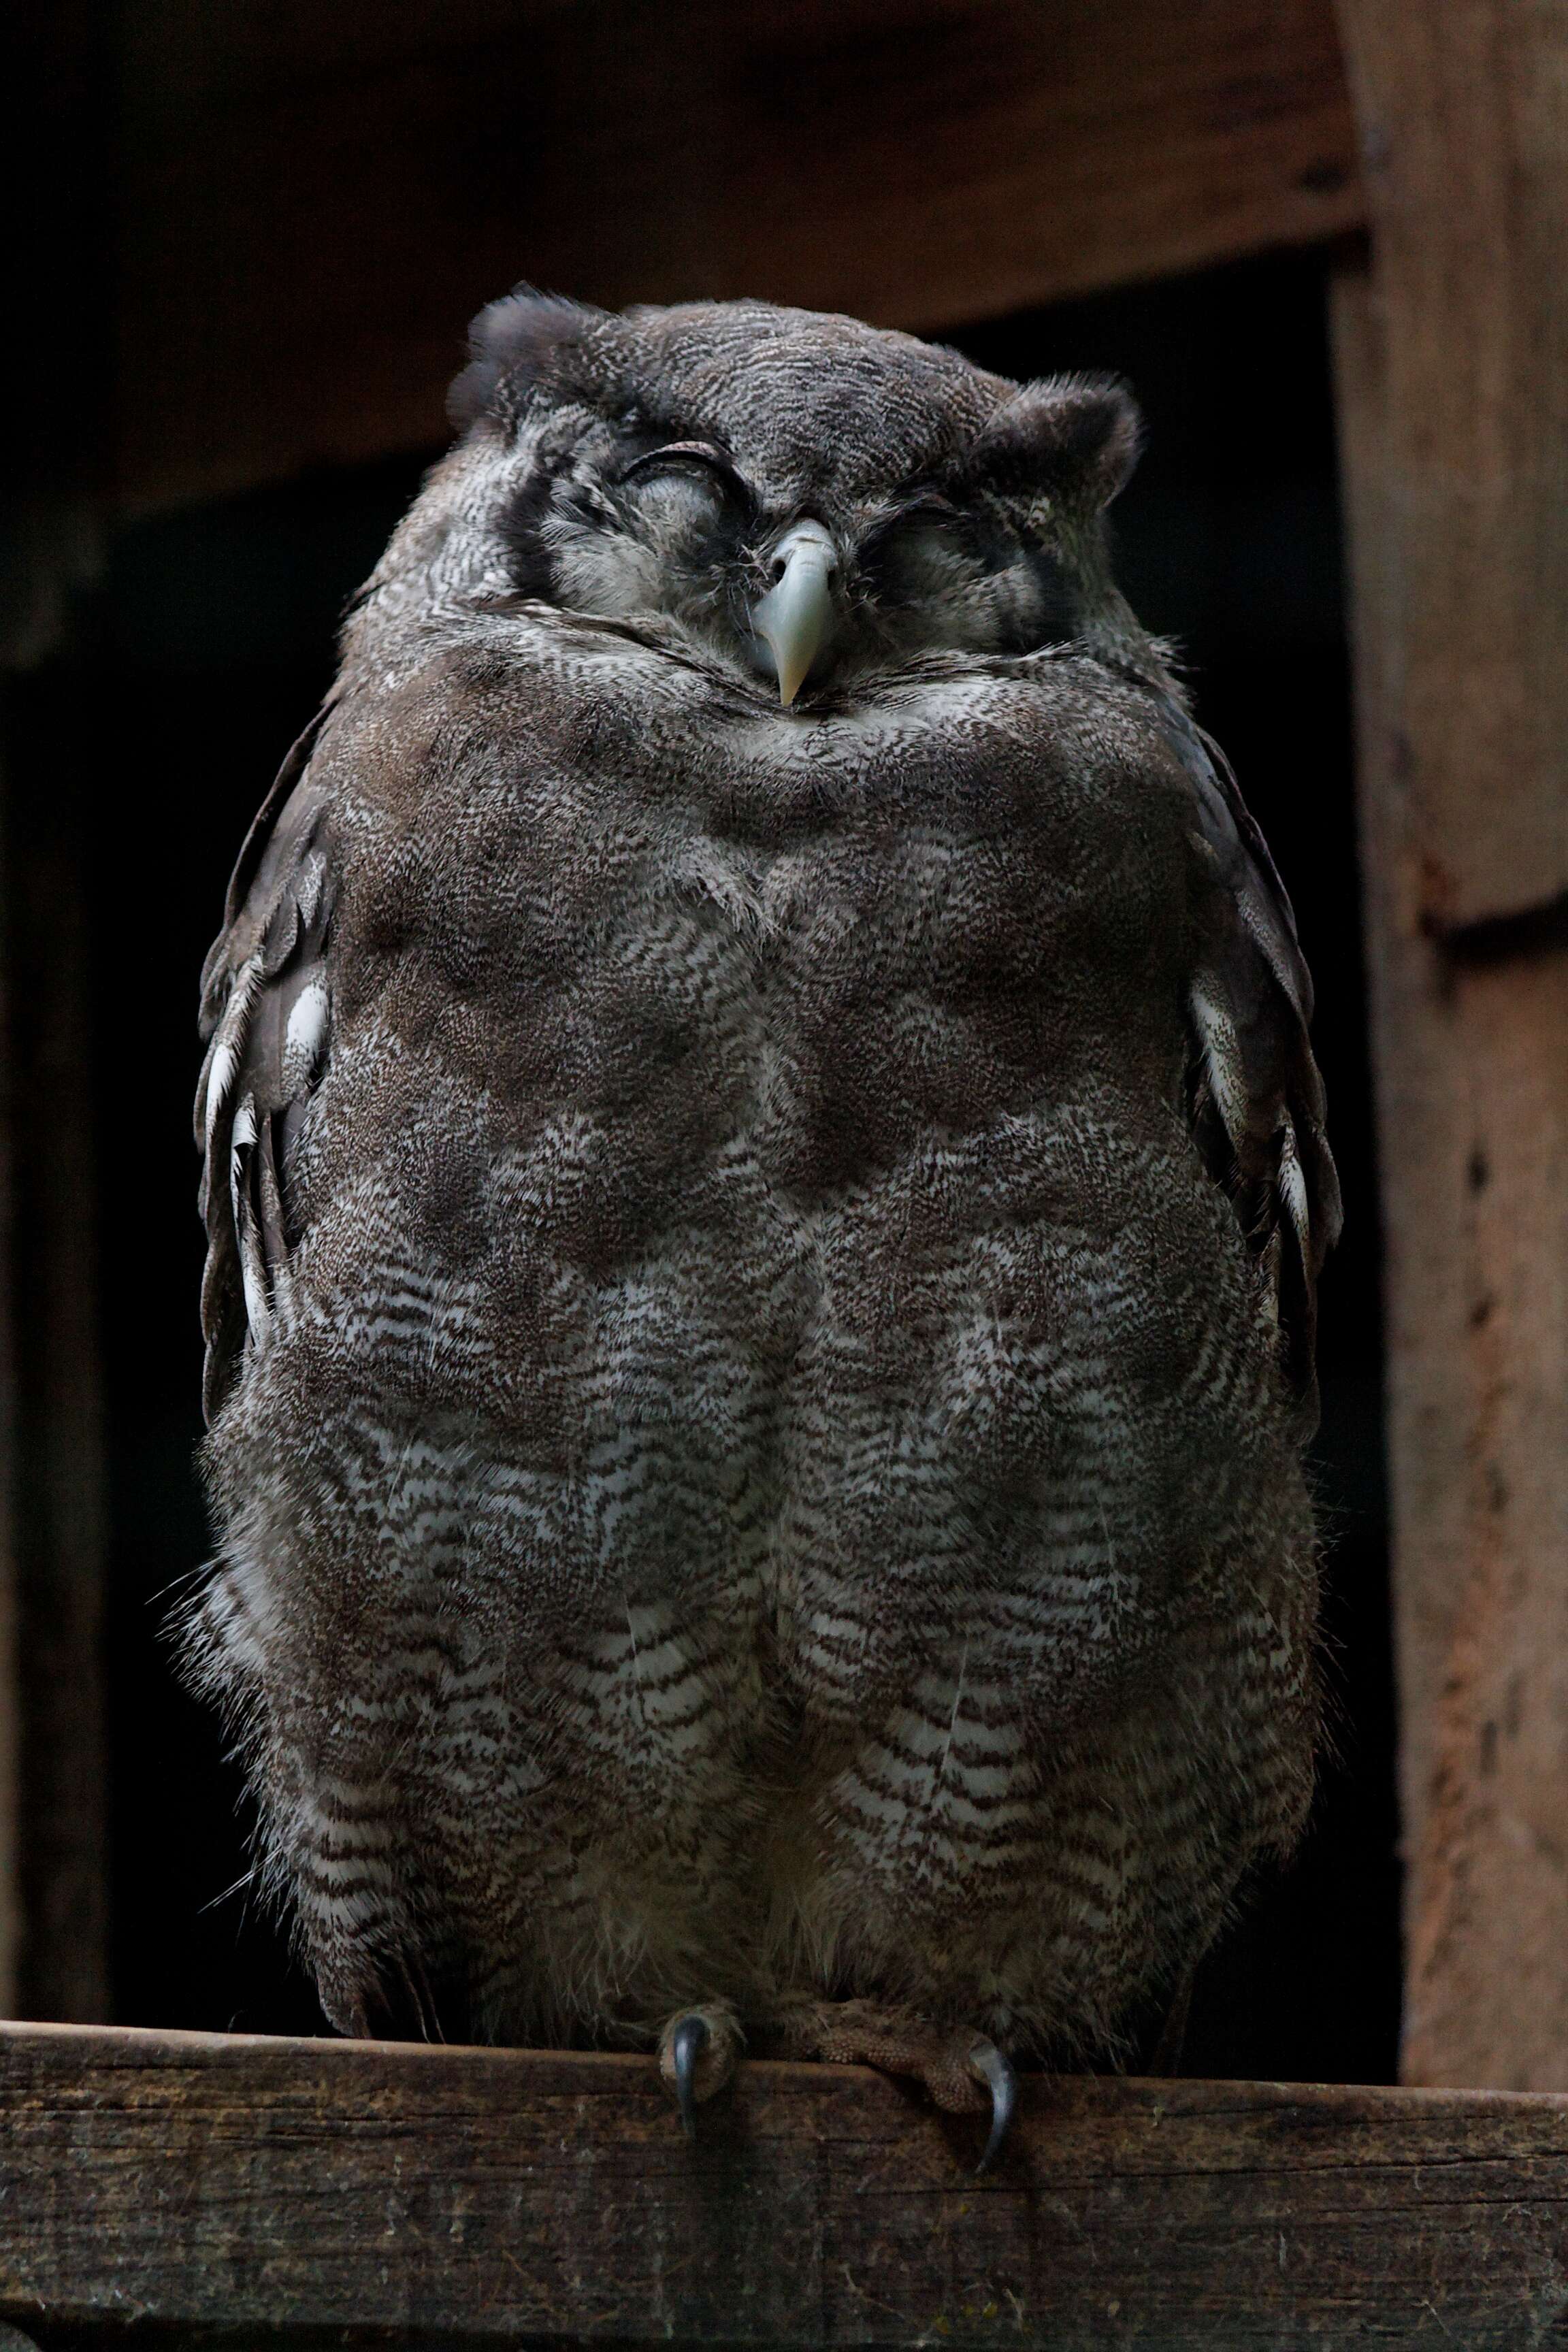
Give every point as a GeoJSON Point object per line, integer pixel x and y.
{"type": "Point", "coordinates": [1255, 1094]}
{"type": "Point", "coordinates": [267, 1022]}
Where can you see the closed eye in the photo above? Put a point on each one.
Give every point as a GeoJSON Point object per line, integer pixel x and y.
{"type": "Point", "coordinates": [966, 576]}
{"type": "Point", "coordinates": [905, 553]}
{"type": "Point", "coordinates": [704, 457]}
{"type": "Point", "coordinates": [928, 515]}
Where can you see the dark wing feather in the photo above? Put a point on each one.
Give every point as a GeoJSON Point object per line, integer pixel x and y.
{"type": "Point", "coordinates": [266, 1021]}
{"type": "Point", "coordinates": [1254, 1093]}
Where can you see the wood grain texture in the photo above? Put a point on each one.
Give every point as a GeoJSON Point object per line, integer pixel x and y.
{"type": "Point", "coordinates": [1454, 452]}
{"type": "Point", "coordinates": [1463, 107]}
{"type": "Point", "coordinates": [315, 201]}
{"type": "Point", "coordinates": [190, 2180]}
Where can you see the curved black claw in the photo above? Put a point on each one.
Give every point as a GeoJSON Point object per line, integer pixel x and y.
{"type": "Point", "coordinates": [687, 2040]}
{"type": "Point", "coordinates": [996, 2072]}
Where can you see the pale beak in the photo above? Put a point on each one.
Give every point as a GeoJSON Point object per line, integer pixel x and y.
{"type": "Point", "coordinates": [796, 615]}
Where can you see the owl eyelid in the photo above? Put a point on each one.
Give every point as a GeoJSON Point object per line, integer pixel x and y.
{"type": "Point", "coordinates": [697, 453]}
{"type": "Point", "coordinates": [927, 506]}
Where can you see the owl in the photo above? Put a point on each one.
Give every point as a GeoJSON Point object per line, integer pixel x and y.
{"type": "Point", "coordinates": [765, 1184]}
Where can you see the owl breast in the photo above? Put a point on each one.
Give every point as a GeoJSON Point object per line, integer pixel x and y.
{"type": "Point", "coordinates": [763, 1379]}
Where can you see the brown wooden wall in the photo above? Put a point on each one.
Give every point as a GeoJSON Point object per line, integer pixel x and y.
{"type": "Point", "coordinates": [315, 197]}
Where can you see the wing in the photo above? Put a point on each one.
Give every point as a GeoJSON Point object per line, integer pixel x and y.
{"type": "Point", "coordinates": [1255, 1095]}
{"type": "Point", "coordinates": [266, 1021]}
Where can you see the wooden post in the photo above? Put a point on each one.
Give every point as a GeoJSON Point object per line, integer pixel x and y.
{"type": "Point", "coordinates": [1453, 372]}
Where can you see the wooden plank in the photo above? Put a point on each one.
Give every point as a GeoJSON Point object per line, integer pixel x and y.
{"type": "Point", "coordinates": [473, 2195]}
{"type": "Point", "coordinates": [315, 201]}
{"type": "Point", "coordinates": [1452, 427]}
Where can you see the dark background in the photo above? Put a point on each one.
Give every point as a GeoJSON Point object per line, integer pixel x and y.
{"type": "Point", "coordinates": [201, 652]}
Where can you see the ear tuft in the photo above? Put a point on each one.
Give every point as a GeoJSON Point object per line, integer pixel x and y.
{"type": "Point", "coordinates": [1076, 434]}
{"type": "Point", "coordinates": [515, 343]}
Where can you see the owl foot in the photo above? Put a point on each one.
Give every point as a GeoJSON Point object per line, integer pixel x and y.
{"type": "Point", "coordinates": [697, 2051]}
{"type": "Point", "coordinates": [995, 2068]}
{"type": "Point", "coordinates": [963, 2072]}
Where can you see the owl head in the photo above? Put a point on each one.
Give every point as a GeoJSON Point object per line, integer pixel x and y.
{"type": "Point", "coordinates": [799, 500]}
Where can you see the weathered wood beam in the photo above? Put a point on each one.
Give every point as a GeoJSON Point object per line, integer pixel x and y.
{"type": "Point", "coordinates": [315, 201]}
{"type": "Point", "coordinates": [1453, 363]}
{"type": "Point", "coordinates": [205, 2181]}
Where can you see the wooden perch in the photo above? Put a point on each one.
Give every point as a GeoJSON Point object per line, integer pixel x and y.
{"type": "Point", "coordinates": [204, 2181]}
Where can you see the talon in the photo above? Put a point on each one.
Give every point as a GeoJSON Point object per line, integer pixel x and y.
{"type": "Point", "coordinates": [687, 2040]}
{"type": "Point", "coordinates": [996, 2071]}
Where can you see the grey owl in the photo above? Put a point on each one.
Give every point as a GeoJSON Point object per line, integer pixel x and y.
{"type": "Point", "coordinates": [764, 1186]}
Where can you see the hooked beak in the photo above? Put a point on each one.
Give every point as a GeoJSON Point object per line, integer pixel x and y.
{"type": "Point", "coordinates": [796, 615]}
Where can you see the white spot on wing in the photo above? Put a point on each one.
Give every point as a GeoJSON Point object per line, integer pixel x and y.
{"type": "Point", "coordinates": [1222, 1061]}
{"type": "Point", "coordinates": [1293, 1185]}
{"type": "Point", "coordinates": [230, 1043]}
{"type": "Point", "coordinates": [304, 1037]}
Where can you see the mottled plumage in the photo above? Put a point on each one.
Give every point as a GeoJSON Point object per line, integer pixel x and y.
{"type": "Point", "coordinates": [760, 1288]}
